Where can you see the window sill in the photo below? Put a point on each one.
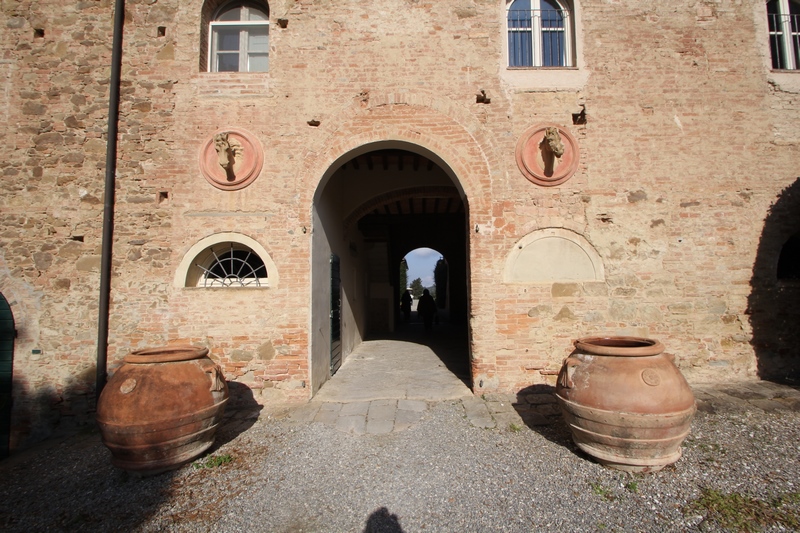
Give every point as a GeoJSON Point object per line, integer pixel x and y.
{"type": "Point", "coordinates": [545, 78]}
{"type": "Point", "coordinates": [541, 68]}
{"type": "Point", "coordinates": [238, 84]}
{"type": "Point", "coordinates": [785, 80]}
{"type": "Point", "coordinates": [234, 74]}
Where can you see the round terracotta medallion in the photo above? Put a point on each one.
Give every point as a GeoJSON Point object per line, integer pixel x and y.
{"type": "Point", "coordinates": [231, 159]}
{"type": "Point", "coordinates": [651, 376]}
{"type": "Point", "coordinates": [547, 154]}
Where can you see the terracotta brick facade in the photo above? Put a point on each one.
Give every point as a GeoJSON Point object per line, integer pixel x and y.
{"type": "Point", "coordinates": [686, 187]}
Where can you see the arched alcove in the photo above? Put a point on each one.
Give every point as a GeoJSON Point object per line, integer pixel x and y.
{"type": "Point", "coordinates": [551, 255]}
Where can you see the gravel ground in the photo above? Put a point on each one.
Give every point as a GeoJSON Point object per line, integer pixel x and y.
{"type": "Point", "coordinates": [442, 474]}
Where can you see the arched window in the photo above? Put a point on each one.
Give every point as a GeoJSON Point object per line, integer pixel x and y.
{"type": "Point", "coordinates": [239, 38]}
{"type": "Point", "coordinates": [232, 264]}
{"type": "Point", "coordinates": [540, 34]}
{"type": "Point", "coordinates": [226, 260]}
{"type": "Point", "coordinates": [783, 17]}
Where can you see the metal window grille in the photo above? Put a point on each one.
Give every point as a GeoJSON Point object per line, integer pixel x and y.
{"type": "Point", "coordinates": [234, 267]}
{"type": "Point", "coordinates": [539, 38]}
{"type": "Point", "coordinates": [784, 40]}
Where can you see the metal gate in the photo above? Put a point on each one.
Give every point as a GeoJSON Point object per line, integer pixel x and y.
{"type": "Point", "coordinates": [336, 315]}
{"type": "Point", "coordinates": [7, 334]}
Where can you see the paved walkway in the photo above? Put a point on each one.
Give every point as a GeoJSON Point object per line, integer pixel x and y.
{"type": "Point", "coordinates": [387, 386]}
{"type": "Point", "coordinates": [536, 407]}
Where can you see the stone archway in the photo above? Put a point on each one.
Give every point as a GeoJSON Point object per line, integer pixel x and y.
{"type": "Point", "coordinates": [376, 204]}
{"type": "Point", "coordinates": [427, 125]}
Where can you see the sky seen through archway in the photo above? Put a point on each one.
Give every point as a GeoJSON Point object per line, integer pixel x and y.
{"type": "Point", "coordinates": [421, 263]}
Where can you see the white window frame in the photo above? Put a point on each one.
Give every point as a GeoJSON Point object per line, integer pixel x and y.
{"type": "Point", "coordinates": [538, 32]}
{"type": "Point", "coordinates": [787, 40]}
{"type": "Point", "coordinates": [245, 25]}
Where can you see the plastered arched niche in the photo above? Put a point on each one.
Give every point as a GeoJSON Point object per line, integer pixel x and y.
{"type": "Point", "coordinates": [553, 254]}
{"type": "Point", "coordinates": [186, 269]}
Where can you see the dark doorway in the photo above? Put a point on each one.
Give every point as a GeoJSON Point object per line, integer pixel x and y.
{"type": "Point", "coordinates": [336, 315]}
{"type": "Point", "coordinates": [7, 335]}
{"type": "Point", "coordinates": [373, 207]}
{"type": "Point", "coordinates": [775, 290]}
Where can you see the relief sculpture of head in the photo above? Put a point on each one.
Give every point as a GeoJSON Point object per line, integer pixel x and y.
{"type": "Point", "coordinates": [551, 149]}
{"type": "Point", "coordinates": [224, 152]}
{"type": "Point", "coordinates": [231, 158]}
{"type": "Point", "coordinates": [552, 142]}
{"type": "Point", "coordinates": [547, 154]}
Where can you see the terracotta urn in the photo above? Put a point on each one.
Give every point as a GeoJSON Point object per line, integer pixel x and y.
{"type": "Point", "coordinates": [161, 409]}
{"type": "Point", "coordinates": [626, 403]}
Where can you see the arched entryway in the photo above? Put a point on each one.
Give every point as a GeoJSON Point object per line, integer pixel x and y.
{"type": "Point", "coordinates": [7, 334]}
{"type": "Point", "coordinates": [421, 269]}
{"type": "Point", "coordinates": [373, 206]}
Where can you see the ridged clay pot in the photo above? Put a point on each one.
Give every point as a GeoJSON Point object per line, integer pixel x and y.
{"type": "Point", "coordinates": [626, 403]}
{"type": "Point", "coordinates": [161, 409]}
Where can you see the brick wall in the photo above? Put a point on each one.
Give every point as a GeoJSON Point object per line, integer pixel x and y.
{"type": "Point", "coordinates": [687, 145]}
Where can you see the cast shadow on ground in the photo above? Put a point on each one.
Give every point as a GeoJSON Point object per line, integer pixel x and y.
{"type": "Point", "coordinates": [382, 521]}
{"type": "Point", "coordinates": [77, 469]}
{"type": "Point", "coordinates": [241, 412]}
{"type": "Point", "coordinates": [536, 405]}
{"type": "Point", "coordinates": [775, 290]}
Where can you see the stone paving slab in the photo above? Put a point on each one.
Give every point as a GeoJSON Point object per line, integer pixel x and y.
{"type": "Point", "coordinates": [508, 420]}
{"type": "Point", "coordinates": [510, 411]}
{"type": "Point", "coordinates": [382, 409]}
{"type": "Point", "coordinates": [355, 408]}
{"type": "Point", "coordinates": [418, 406]}
{"type": "Point", "coordinates": [791, 403]}
{"type": "Point", "coordinates": [719, 400]}
{"type": "Point", "coordinates": [305, 413]}
{"type": "Point", "coordinates": [478, 413]}
{"type": "Point", "coordinates": [351, 424]}
{"type": "Point", "coordinates": [379, 427]}
{"type": "Point", "coordinates": [769, 405]}
{"type": "Point", "coordinates": [328, 413]}
{"type": "Point", "coordinates": [771, 390]}
{"type": "Point", "coordinates": [406, 418]}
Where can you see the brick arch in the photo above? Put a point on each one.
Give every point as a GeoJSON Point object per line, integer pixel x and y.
{"type": "Point", "coordinates": [436, 128]}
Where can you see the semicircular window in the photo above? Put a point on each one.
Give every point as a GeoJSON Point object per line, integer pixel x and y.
{"type": "Point", "coordinates": [232, 265]}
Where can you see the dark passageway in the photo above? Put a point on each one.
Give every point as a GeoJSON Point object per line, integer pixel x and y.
{"type": "Point", "coordinates": [376, 207]}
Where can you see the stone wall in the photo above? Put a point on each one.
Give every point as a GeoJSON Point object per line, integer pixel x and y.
{"type": "Point", "coordinates": [688, 142]}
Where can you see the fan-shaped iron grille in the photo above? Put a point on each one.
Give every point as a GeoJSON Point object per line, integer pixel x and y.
{"type": "Point", "coordinates": [234, 267]}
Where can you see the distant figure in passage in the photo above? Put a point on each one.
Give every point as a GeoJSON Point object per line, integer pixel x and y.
{"type": "Point", "coordinates": [426, 308]}
{"type": "Point", "coordinates": [405, 304]}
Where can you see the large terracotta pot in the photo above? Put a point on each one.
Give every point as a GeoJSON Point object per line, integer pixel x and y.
{"type": "Point", "coordinates": [626, 403]}
{"type": "Point", "coordinates": [161, 408]}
